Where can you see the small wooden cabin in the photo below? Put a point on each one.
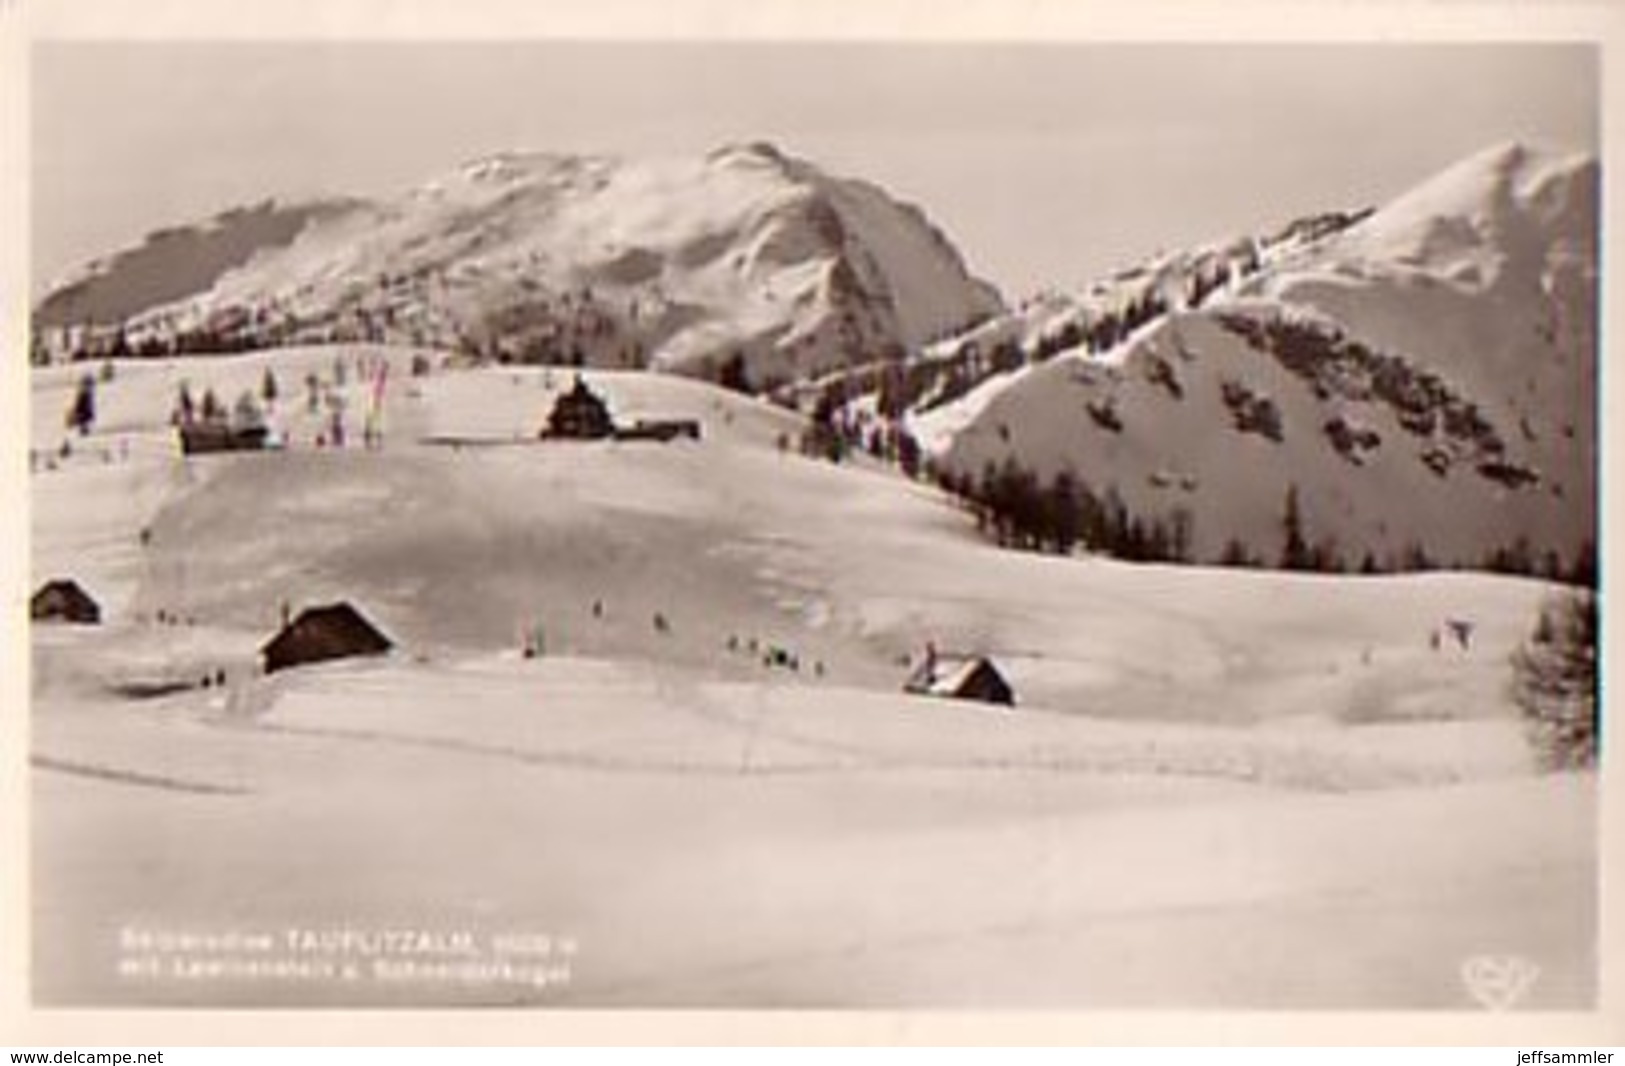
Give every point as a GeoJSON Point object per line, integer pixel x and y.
{"type": "Point", "coordinates": [202, 437]}
{"type": "Point", "coordinates": [660, 429]}
{"type": "Point", "coordinates": [63, 600]}
{"type": "Point", "coordinates": [972, 678]}
{"type": "Point", "coordinates": [335, 631]}
{"type": "Point", "coordinates": [579, 414]}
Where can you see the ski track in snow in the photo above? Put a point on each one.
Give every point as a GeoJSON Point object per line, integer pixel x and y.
{"type": "Point", "coordinates": [1256, 764]}
{"type": "Point", "coordinates": [126, 776]}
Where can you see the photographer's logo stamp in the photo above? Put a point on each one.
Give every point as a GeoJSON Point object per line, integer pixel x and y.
{"type": "Point", "coordinates": [1499, 982]}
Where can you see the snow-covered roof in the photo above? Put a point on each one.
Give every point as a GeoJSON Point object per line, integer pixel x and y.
{"type": "Point", "coordinates": [951, 677]}
{"type": "Point", "coordinates": [948, 675]}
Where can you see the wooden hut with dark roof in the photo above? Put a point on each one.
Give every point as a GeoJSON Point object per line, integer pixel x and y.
{"type": "Point", "coordinates": [579, 414]}
{"type": "Point", "coordinates": [201, 438]}
{"type": "Point", "coordinates": [334, 631]}
{"type": "Point", "coordinates": [63, 600]}
{"type": "Point", "coordinates": [972, 678]}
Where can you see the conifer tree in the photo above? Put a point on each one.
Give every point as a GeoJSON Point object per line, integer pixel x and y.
{"type": "Point", "coordinates": [82, 412]}
{"type": "Point", "coordinates": [1065, 513]}
{"type": "Point", "coordinates": [185, 407]}
{"type": "Point", "coordinates": [211, 409]}
{"type": "Point", "coordinates": [1555, 682]}
{"type": "Point", "coordinates": [1295, 553]}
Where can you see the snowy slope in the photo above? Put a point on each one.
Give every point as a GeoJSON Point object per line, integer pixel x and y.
{"type": "Point", "coordinates": [178, 262]}
{"type": "Point", "coordinates": [1178, 811]}
{"type": "Point", "coordinates": [677, 264]}
{"type": "Point", "coordinates": [1424, 375]}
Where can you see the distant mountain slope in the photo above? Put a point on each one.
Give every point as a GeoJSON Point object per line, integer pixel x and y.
{"type": "Point", "coordinates": [1423, 375]}
{"type": "Point", "coordinates": [176, 263]}
{"type": "Point", "coordinates": [745, 263]}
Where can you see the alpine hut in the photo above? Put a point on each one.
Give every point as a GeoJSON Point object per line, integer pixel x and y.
{"type": "Point", "coordinates": [579, 414]}
{"type": "Point", "coordinates": [961, 678]}
{"type": "Point", "coordinates": [63, 600]}
{"type": "Point", "coordinates": [200, 438]}
{"type": "Point", "coordinates": [336, 631]}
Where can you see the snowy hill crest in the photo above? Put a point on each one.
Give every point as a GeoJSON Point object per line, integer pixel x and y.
{"type": "Point", "coordinates": [1423, 375]}
{"type": "Point", "coordinates": [744, 256]}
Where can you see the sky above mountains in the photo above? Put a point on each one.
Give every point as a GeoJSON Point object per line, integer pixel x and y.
{"type": "Point", "coordinates": [1047, 164]}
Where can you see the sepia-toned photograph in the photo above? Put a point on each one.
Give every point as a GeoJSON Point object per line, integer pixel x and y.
{"type": "Point", "coordinates": [813, 524]}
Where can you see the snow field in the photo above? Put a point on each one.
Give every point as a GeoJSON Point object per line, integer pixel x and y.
{"type": "Point", "coordinates": [1219, 789]}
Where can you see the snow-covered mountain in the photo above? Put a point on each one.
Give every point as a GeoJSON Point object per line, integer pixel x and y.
{"type": "Point", "coordinates": [678, 264]}
{"type": "Point", "coordinates": [657, 687]}
{"type": "Point", "coordinates": [1423, 375]}
{"type": "Point", "coordinates": [175, 263]}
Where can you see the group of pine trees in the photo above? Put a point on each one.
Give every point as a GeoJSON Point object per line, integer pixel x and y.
{"type": "Point", "coordinates": [572, 328]}
{"type": "Point", "coordinates": [1322, 554]}
{"type": "Point", "coordinates": [247, 411]}
{"type": "Point", "coordinates": [1520, 558]}
{"type": "Point", "coordinates": [1554, 682]}
{"type": "Point", "coordinates": [1020, 510]}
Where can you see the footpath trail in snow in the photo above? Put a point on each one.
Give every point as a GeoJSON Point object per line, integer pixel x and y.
{"type": "Point", "coordinates": [1219, 788]}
